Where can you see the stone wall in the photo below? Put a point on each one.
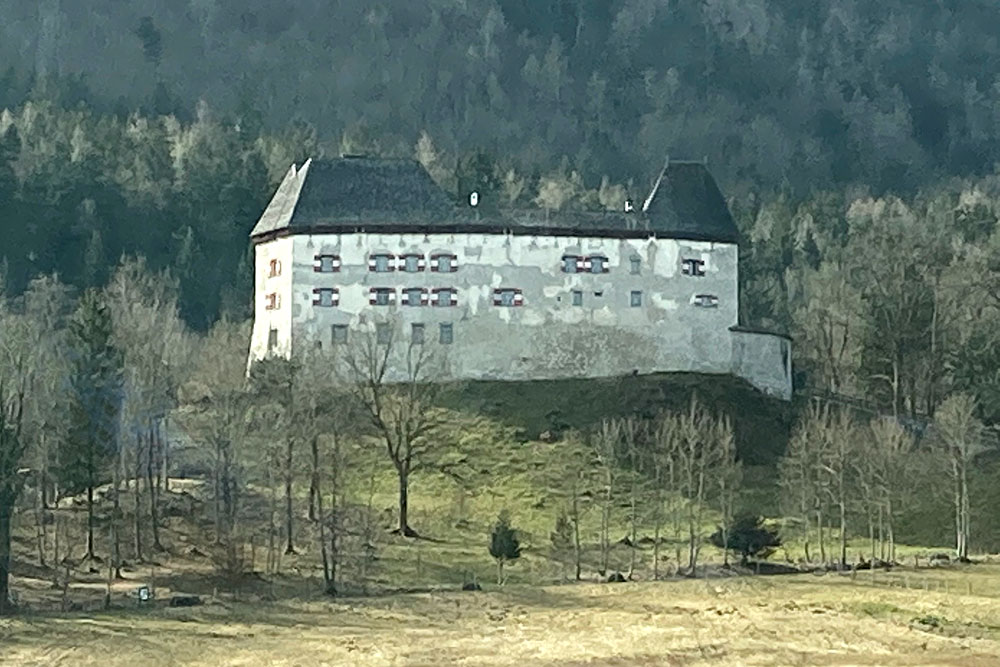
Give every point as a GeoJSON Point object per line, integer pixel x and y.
{"type": "Point", "coordinates": [545, 338]}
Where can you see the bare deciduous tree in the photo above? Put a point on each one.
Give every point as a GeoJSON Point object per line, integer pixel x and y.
{"type": "Point", "coordinates": [395, 385]}
{"type": "Point", "coordinates": [959, 440]}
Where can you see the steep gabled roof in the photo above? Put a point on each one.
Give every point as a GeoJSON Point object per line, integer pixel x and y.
{"type": "Point", "coordinates": [349, 193]}
{"type": "Point", "coordinates": [685, 200]}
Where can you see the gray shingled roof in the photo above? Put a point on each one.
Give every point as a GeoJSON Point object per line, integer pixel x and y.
{"type": "Point", "coordinates": [349, 193]}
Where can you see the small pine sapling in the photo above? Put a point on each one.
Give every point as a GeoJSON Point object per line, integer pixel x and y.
{"type": "Point", "coordinates": [504, 545]}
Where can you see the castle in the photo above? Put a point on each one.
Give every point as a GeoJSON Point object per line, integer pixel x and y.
{"type": "Point", "coordinates": [361, 246]}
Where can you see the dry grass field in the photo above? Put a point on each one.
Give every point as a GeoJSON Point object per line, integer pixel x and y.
{"type": "Point", "coordinates": [906, 617]}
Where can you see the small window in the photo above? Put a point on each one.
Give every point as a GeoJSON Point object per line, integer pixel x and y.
{"type": "Point", "coordinates": [634, 264]}
{"type": "Point", "coordinates": [326, 263]}
{"type": "Point", "coordinates": [693, 267]}
{"type": "Point", "coordinates": [508, 297]}
{"type": "Point", "coordinates": [445, 296]}
{"type": "Point", "coordinates": [339, 334]}
{"type": "Point", "coordinates": [706, 301]}
{"type": "Point", "coordinates": [411, 263]}
{"type": "Point", "coordinates": [598, 264]}
{"type": "Point", "coordinates": [577, 297]}
{"type": "Point", "coordinates": [447, 333]}
{"type": "Point", "coordinates": [381, 296]}
{"type": "Point", "coordinates": [415, 296]}
{"type": "Point", "coordinates": [274, 269]}
{"type": "Point", "coordinates": [272, 340]}
{"type": "Point", "coordinates": [381, 263]}
{"type": "Point", "coordinates": [383, 334]}
{"type": "Point", "coordinates": [444, 263]}
{"type": "Point", "coordinates": [417, 334]}
{"type": "Point", "coordinates": [272, 301]}
{"type": "Point", "coordinates": [326, 297]}
{"type": "Point", "coordinates": [636, 299]}
{"type": "Point", "coordinates": [571, 264]}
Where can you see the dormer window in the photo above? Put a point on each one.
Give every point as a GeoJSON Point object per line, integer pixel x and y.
{"type": "Point", "coordinates": [706, 301]}
{"type": "Point", "coordinates": [272, 301]}
{"type": "Point", "coordinates": [411, 263]}
{"type": "Point", "coordinates": [597, 264]}
{"type": "Point", "coordinates": [444, 296]}
{"type": "Point", "coordinates": [381, 263]}
{"type": "Point", "coordinates": [326, 297]}
{"type": "Point", "coordinates": [444, 263]}
{"type": "Point", "coordinates": [414, 296]}
{"type": "Point", "coordinates": [274, 268]}
{"type": "Point", "coordinates": [381, 296]}
{"type": "Point", "coordinates": [634, 264]}
{"type": "Point", "coordinates": [326, 263]}
{"type": "Point", "coordinates": [508, 297]}
{"type": "Point", "coordinates": [693, 267]}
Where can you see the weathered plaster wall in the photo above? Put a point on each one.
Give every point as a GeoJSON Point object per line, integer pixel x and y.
{"type": "Point", "coordinates": [281, 317]}
{"type": "Point", "coordinates": [547, 337]}
{"type": "Point", "coordinates": [765, 360]}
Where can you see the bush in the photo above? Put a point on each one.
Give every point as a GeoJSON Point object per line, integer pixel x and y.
{"type": "Point", "coordinates": [749, 537]}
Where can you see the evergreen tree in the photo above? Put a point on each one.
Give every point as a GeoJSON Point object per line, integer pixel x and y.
{"type": "Point", "coordinates": [748, 536]}
{"type": "Point", "coordinates": [95, 382]}
{"type": "Point", "coordinates": [504, 545]}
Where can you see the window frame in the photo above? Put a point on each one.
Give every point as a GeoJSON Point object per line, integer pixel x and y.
{"type": "Point", "coordinates": [401, 262]}
{"type": "Point", "coordinates": [691, 266]}
{"type": "Point", "coordinates": [603, 263]}
{"type": "Point", "coordinates": [383, 333]}
{"type": "Point", "coordinates": [436, 262]}
{"type": "Point", "coordinates": [375, 292]}
{"type": "Point", "coordinates": [414, 328]}
{"type": "Point", "coordinates": [319, 259]}
{"type": "Point", "coordinates": [318, 293]}
{"type": "Point", "coordinates": [635, 298]}
{"type": "Point", "coordinates": [272, 301]}
{"type": "Point", "coordinates": [338, 328]}
{"type": "Point", "coordinates": [517, 297]}
{"type": "Point", "coordinates": [390, 262]}
{"type": "Point", "coordinates": [635, 265]}
{"type": "Point", "coordinates": [705, 301]}
{"type": "Point", "coordinates": [577, 263]}
{"type": "Point", "coordinates": [274, 268]}
{"type": "Point", "coordinates": [436, 293]}
{"type": "Point", "coordinates": [450, 328]}
{"type": "Point", "coordinates": [577, 298]}
{"type": "Point", "coordinates": [422, 296]}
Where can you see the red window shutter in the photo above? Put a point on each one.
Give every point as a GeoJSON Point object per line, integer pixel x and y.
{"type": "Point", "coordinates": [371, 263]}
{"type": "Point", "coordinates": [421, 263]}
{"type": "Point", "coordinates": [371, 296]}
{"type": "Point", "coordinates": [454, 298]}
{"type": "Point", "coordinates": [497, 298]}
{"type": "Point", "coordinates": [454, 263]}
{"type": "Point", "coordinates": [423, 297]}
{"type": "Point", "coordinates": [317, 299]}
{"type": "Point", "coordinates": [518, 298]}
{"type": "Point", "coordinates": [336, 297]}
{"type": "Point", "coordinates": [317, 263]}
{"type": "Point", "coordinates": [582, 264]}
{"type": "Point", "coordinates": [392, 296]}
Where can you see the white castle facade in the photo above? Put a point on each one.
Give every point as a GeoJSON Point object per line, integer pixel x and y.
{"type": "Point", "coordinates": [372, 247]}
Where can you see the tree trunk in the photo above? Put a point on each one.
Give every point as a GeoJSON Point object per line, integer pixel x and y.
{"type": "Point", "coordinates": [289, 527]}
{"type": "Point", "coordinates": [500, 572]}
{"type": "Point", "coordinates": [314, 481]}
{"type": "Point", "coordinates": [90, 522]}
{"type": "Point", "coordinates": [843, 533]}
{"type": "Point", "coordinates": [403, 470]}
{"type": "Point", "coordinates": [154, 519]}
{"type": "Point", "coordinates": [116, 554]}
{"type": "Point", "coordinates": [6, 508]}
{"type": "Point", "coordinates": [40, 532]}
{"type": "Point", "coordinates": [137, 500]}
